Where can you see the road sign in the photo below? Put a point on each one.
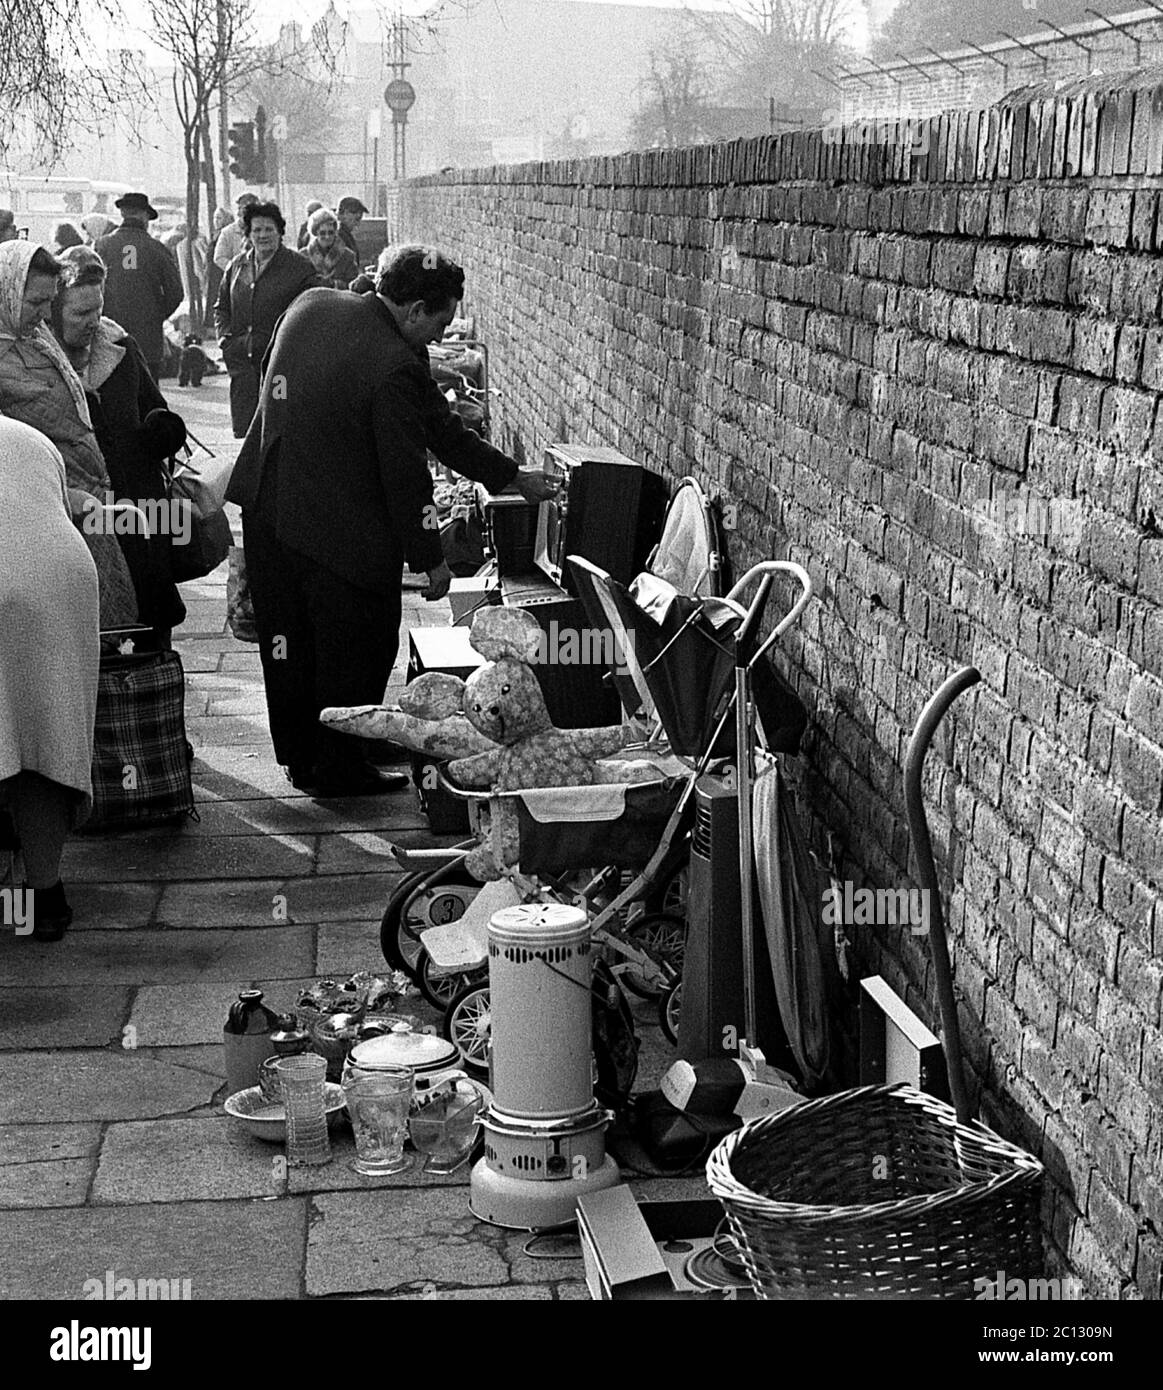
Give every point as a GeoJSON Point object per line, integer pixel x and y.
{"type": "Point", "coordinates": [399, 95]}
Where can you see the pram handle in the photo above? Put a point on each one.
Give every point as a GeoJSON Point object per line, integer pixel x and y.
{"type": "Point", "coordinates": [764, 569]}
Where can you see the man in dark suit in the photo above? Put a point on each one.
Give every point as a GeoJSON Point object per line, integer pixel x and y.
{"type": "Point", "coordinates": [336, 495]}
{"type": "Point", "coordinates": [143, 286]}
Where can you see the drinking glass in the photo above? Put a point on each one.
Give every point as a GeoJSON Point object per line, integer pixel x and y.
{"type": "Point", "coordinates": [378, 1103]}
{"type": "Point", "coordinates": [301, 1079]}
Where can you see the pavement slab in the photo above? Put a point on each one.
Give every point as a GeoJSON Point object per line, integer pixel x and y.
{"type": "Point", "coordinates": [154, 958]}
{"type": "Point", "coordinates": [335, 898]}
{"type": "Point", "coordinates": [205, 1159]}
{"type": "Point", "coordinates": [170, 857]}
{"type": "Point", "coordinates": [227, 1250]}
{"type": "Point", "coordinates": [396, 1239]}
{"type": "Point", "coordinates": [113, 1085]}
{"type": "Point", "coordinates": [303, 816]}
{"type": "Point", "coordinates": [56, 1015]}
{"type": "Point", "coordinates": [113, 906]}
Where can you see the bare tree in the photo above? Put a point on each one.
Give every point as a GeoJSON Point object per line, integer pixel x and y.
{"type": "Point", "coordinates": [773, 46]}
{"type": "Point", "coordinates": [52, 83]}
{"type": "Point", "coordinates": [215, 51]}
{"type": "Point", "coordinates": [675, 92]}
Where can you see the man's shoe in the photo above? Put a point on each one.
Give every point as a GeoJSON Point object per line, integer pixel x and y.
{"type": "Point", "coordinates": [359, 781]}
{"type": "Point", "coordinates": [301, 778]}
{"type": "Point", "coordinates": [51, 913]}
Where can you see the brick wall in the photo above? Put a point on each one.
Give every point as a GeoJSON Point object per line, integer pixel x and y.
{"type": "Point", "coordinates": [929, 371]}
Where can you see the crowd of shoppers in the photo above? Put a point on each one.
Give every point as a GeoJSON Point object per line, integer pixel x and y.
{"type": "Point", "coordinates": [332, 478]}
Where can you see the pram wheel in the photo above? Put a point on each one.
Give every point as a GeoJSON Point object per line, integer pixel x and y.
{"type": "Point", "coordinates": [669, 895]}
{"type": "Point", "coordinates": [421, 901]}
{"type": "Point", "coordinates": [670, 1010]}
{"type": "Point", "coordinates": [663, 936]}
{"type": "Point", "coordinates": [468, 1023]}
{"type": "Point", "coordinates": [440, 988]}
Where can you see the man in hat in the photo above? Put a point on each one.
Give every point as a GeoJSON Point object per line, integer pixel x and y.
{"type": "Point", "coordinates": [336, 494]}
{"type": "Point", "coordinates": [232, 241]}
{"type": "Point", "coordinates": [143, 286]}
{"type": "Point", "coordinates": [351, 213]}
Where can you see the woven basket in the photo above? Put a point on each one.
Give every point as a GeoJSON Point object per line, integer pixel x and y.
{"type": "Point", "coordinates": [877, 1193]}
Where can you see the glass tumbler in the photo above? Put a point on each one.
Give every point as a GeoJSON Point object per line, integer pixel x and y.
{"type": "Point", "coordinates": [301, 1079]}
{"type": "Point", "coordinates": [378, 1103]}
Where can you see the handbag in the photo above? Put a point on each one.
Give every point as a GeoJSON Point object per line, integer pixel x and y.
{"type": "Point", "coordinates": [203, 540]}
{"type": "Point", "coordinates": [239, 607]}
{"type": "Point", "coordinates": [141, 759]}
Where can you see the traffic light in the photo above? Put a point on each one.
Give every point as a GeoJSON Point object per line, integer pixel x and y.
{"type": "Point", "coordinates": [258, 165]}
{"type": "Point", "coordinates": [241, 149]}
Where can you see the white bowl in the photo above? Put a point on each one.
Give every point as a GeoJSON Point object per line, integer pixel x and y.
{"type": "Point", "coordinates": [268, 1120]}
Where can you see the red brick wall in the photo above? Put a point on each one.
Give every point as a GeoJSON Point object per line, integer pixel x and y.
{"type": "Point", "coordinates": [867, 347]}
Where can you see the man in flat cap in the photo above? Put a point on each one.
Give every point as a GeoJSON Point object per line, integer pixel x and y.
{"type": "Point", "coordinates": [143, 286]}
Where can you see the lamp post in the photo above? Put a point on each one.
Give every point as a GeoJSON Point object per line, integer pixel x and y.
{"type": "Point", "coordinates": [399, 96]}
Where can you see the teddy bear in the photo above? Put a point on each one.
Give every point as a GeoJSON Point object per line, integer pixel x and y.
{"type": "Point", "coordinates": [495, 729]}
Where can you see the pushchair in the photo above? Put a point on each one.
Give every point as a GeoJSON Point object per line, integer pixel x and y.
{"type": "Point", "coordinates": [677, 662]}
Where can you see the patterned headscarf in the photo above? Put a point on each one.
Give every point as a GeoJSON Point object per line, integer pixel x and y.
{"type": "Point", "coordinates": [15, 259]}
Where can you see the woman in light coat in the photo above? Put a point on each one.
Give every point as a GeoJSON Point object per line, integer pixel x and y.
{"type": "Point", "coordinates": [48, 669]}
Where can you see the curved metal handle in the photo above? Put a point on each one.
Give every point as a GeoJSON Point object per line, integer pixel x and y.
{"type": "Point", "coordinates": [926, 727]}
{"type": "Point", "coordinates": [770, 567]}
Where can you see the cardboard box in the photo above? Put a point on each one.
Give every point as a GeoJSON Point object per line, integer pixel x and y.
{"type": "Point", "coordinates": [639, 1250]}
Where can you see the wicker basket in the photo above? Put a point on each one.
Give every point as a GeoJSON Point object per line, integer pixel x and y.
{"type": "Point", "coordinates": [877, 1193]}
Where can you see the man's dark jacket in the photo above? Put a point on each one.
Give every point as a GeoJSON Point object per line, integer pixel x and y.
{"type": "Point", "coordinates": [143, 286]}
{"type": "Point", "coordinates": [350, 410]}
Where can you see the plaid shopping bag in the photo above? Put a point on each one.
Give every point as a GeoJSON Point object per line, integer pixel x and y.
{"type": "Point", "coordinates": [141, 759]}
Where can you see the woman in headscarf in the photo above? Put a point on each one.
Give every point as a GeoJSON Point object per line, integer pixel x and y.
{"type": "Point", "coordinates": [39, 387]}
{"type": "Point", "coordinates": [95, 225]}
{"type": "Point", "coordinates": [130, 419]}
{"type": "Point", "coordinates": [334, 264]}
{"type": "Point", "coordinates": [48, 666]}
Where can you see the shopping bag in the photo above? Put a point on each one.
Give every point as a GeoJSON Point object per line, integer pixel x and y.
{"type": "Point", "coordinates": [239, 608]}
{"type": "Point", "coordinates": [141, 759]}
{"type": "Point", "coordinates": [203, 540]}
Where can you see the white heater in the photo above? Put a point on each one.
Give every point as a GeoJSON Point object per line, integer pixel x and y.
{"type": "Point", "coordinates": [544, 1132]}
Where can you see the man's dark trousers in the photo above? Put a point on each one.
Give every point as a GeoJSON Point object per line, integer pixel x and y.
{"type": "Point", "coordinates": [323, 642]}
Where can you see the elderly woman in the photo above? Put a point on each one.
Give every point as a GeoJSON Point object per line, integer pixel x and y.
{"type": "Point", "coordinates": [48, 667]}
{"type": "Point", "coordinates": [95, 225]}
{"type": "Point", "coordinates": [334, 264]}
{"type": "Point", "coordinates": [256, 290]}
{"type": "Point", "coordinates": [39, 386]}
{"type": "Point", "coordinates": [121, 395]}
{"type": "Point", "coordinates": [64, 235]}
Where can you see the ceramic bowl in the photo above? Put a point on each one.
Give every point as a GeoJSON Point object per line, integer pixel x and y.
{"type": "Point", "coordinates": [267, 1119]}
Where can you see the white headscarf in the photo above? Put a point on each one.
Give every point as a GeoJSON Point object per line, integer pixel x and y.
{"type": "Point", "coordinates": [15, 259]}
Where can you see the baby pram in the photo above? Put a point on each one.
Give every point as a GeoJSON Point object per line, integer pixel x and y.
{"type": "Point", "coordinates": [677, 655]}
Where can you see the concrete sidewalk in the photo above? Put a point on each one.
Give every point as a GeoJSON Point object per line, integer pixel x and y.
{"type": "Point", "coordinates": [115, 1154]}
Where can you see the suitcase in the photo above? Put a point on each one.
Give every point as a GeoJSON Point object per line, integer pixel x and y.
{"type": "Point", "coordinates": [141, 758]}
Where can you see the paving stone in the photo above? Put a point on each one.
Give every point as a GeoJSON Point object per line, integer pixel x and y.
{"type": "Point", "coordinates": [239, 774]}
{"type": "Point", "coordinates": [88, 1016]}
{"type": "Point", "coordinates": [228, 731]}
{"type": "Point", "coordinates": [234, 705]}
{"type": "Point", "coordinates": [212, 857]}
{"type": "Point", "coordinates": [46, 1087]}
{"type": "Point", "coordinates": [572, 1293]}
{"type": "Point", "coordinates": [38, 1144]}
{"type": "Point", "coordinates": [384, 1240]}
{"type": "Point", "coordinates": [228, 1250]}
{"type": "Point", "coordinates": [242, 660]}
{"type": "Point", "coordinates": [368, 851]}
{"type": "Point", "coordinates": [345, 947]}
{"type": "Point", "coordinates": [189, 1014]}
{"type": "Point", "coordinates": [302, 816]}
{"type": "Point", "coordinates": [59, 1183]}
{"type": "Point", "coordinates": [149, 958]}
{"type": "Point", "coordinates": [205, 1159]}
{"type": "Point", "coordinates": [335, 898]}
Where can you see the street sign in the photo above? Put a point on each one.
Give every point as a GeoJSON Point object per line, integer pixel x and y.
{"type": "Point", "coordinates": [399, 95]}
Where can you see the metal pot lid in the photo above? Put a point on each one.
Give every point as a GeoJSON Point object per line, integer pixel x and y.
{"type": "Point", "coordinates": [421, 1051]}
